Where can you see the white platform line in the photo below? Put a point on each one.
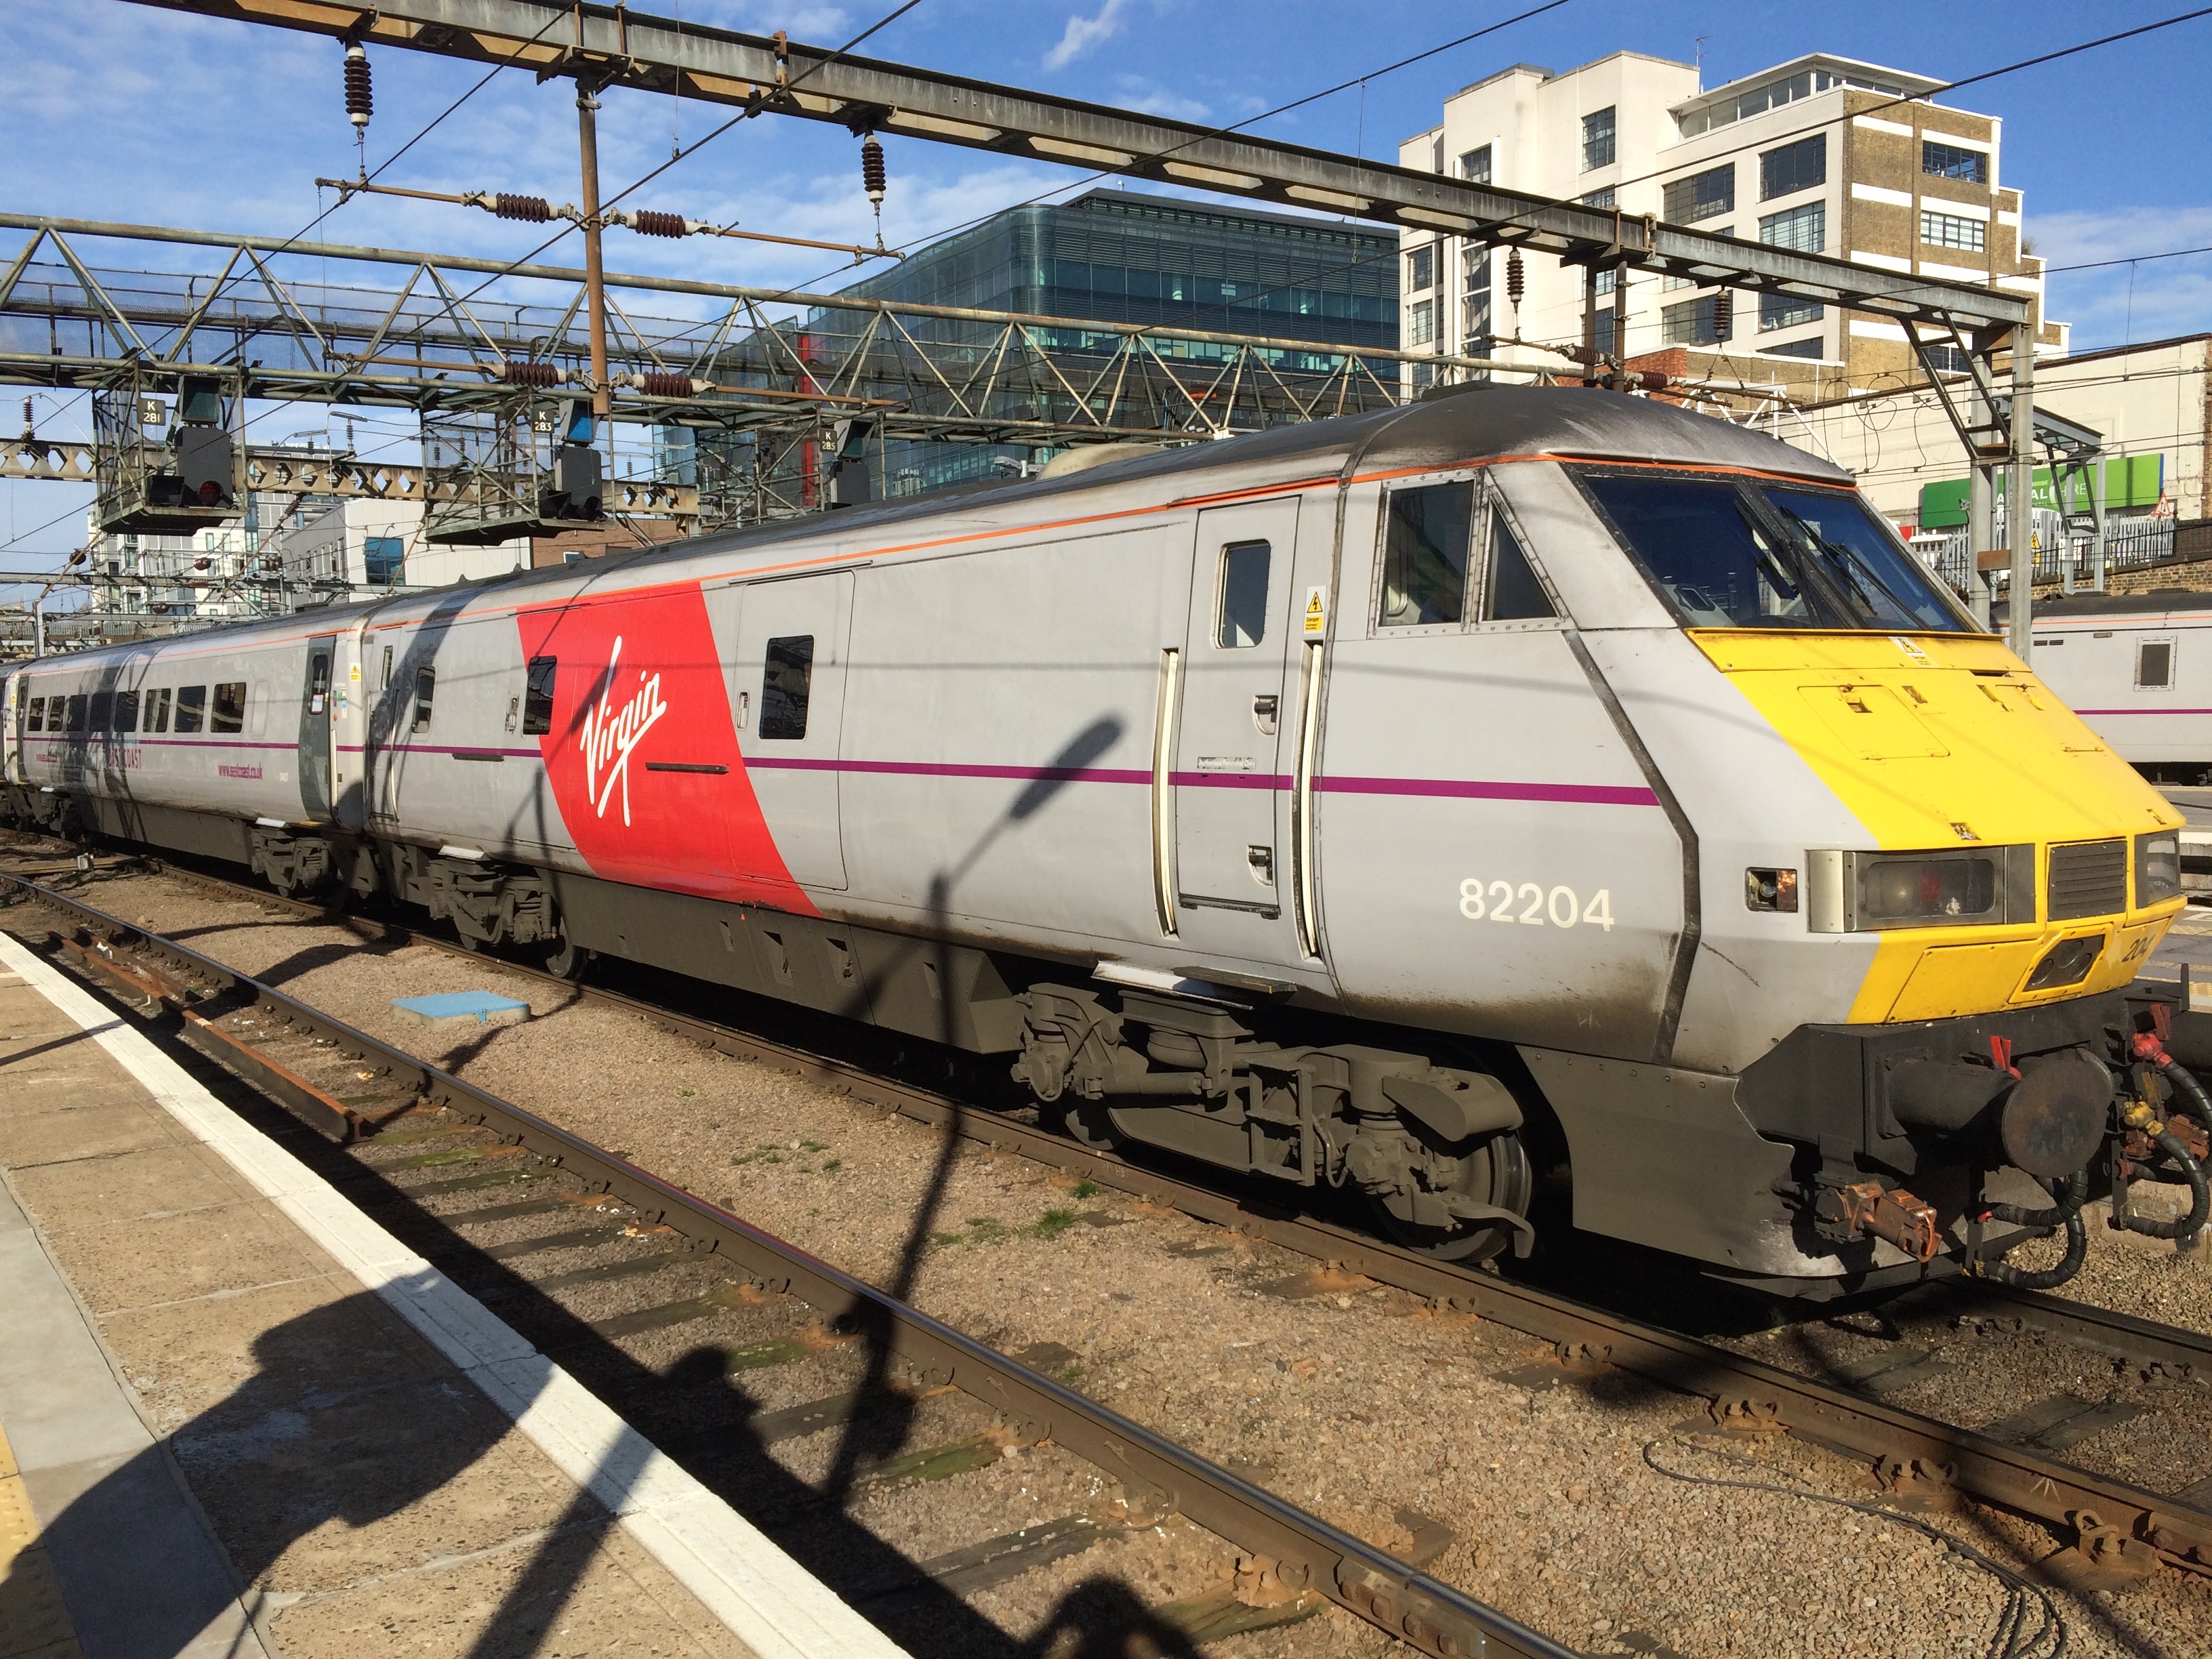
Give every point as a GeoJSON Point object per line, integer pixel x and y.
{"type": "Point", "coordinates": [767, 1600]}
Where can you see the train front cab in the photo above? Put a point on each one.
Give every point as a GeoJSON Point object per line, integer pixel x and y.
{"type": "Point", "coordinates": [2012, 876]}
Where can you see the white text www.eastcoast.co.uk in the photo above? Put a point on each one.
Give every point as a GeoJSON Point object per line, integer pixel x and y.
{"type": "Point", "coordinates": [609, 735]}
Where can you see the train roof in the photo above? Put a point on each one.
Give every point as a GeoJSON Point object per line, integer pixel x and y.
{"type": "Point", "coordinates": [2158, 602]}
{"type": "Point", "coordinates": [1457, 425]}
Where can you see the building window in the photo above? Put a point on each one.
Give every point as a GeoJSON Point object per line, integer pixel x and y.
{"type": "Point", "coordinates": [1811, 348]}
{"type": "Point", "coordinates": [1691, 323]}
{"type": "Point", "coordinates": [1421, 323]}
{"type": "Point", "coordinates": [383, 559]}
{"type": "Point", "coordinates": [1476, 319]}
{"type": "Point", "coordinates": [1597, 140]}
{"type": "Point", "coordinates": [1945, 359]}
{"type": "Point", "coordinates": [1475, 165]}
{"type": "Point", "coordinates": [1793, 168]}
{"type": "Point", "coordinates": [1421, 267]}
{"type": "Point", "coordinates": [1700, 196]}
{"type": "Point", "coordinates": [1603, 198]}
{"type": "Point", "coordinates": [1786, 311]}
{"type": "Point", "coordinates": [1970, 166]}
{"type": "Point", "coordinates": [1804, 228]}
{"type": "Point", "coordinates": [1951, 230]}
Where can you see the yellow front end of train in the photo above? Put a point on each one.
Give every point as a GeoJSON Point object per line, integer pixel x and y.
{"type": "Point", "coordinates": [2016, 861]}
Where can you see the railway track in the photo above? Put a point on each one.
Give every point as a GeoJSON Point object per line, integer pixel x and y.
{"type": "Point", "coordinates": [2112, 1526]}
{"type": "Point", "coordinates": [472, 1160]}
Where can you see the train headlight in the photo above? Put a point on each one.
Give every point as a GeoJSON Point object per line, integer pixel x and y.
{"type": "Point", "coordinates": [2158, 866]}
{"type": "Point", "coordinates": [1926, 890]}
{"type": "Point", "coordinates": [2067, 963]}
{"type": "Point", "coordinates": [1859, 892]}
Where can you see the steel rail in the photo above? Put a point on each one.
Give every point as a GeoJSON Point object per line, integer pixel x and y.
{"type": "Point", "coordinates": [1313, 1555]}
{"type": "Point", "coordinates": [2112, 1522]}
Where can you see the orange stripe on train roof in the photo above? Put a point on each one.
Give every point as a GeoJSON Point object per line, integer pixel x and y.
{"type": "Point", "coordinates": [832, 560]}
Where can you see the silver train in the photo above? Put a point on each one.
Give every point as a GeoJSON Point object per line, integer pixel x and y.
{"type": "Point", "coordinates": [1522, 784]}
{"type": "Point", "coordinates": [2138, 668]}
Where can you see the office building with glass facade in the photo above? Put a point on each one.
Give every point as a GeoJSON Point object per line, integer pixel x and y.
{"type": "Point", "coordinates": [1117, 257]}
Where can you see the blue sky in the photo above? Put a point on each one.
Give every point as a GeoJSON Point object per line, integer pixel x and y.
{"type": "Point", "coordinates": [123, 113]}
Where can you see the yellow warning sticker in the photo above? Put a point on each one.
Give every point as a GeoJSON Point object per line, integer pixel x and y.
{"type": "Point", "coordinates": [354, 672]}
{"type": "Point", "coordinates": [1317, 613]}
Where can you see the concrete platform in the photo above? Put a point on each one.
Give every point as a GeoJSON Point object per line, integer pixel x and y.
{"type": "Point", "coordinates": [238, 1417]}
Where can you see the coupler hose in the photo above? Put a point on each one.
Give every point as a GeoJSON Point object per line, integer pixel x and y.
{"type": "Point", "coordinates": [2185, 1083]}
{"type": "Point", "coordinates": [2066, 1213]}
{"type": "Point", "coordinates": [2184, 1230]}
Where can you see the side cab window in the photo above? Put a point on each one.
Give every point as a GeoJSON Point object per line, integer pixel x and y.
{"type": "Point", "coordinates": [1450, 557]}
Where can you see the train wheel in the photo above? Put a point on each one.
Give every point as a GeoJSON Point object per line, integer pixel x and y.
{"type": "Point", "coordinates": [1087, 1124]}
{"type": "Point", "coordinates": [1497, 1172]}
{"type": "Point", "coordinates": [566, 959]}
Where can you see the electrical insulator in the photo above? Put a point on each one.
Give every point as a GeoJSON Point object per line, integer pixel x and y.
{"type": "Point", "coordinates": [646, 222]}
{"type": "Point", "coordinates": [1516, 279]}
{"type": "Point", "coordinates": [1723, 316]}
{"type": "Point", "coordinates": [871, 170]}
{"type": "Point", "coordinates": [535, 209]}
{"type": "Point", "coordinates": [516, 373]}
{"type": "Point", "coordinates": [359, 102]}
{"type": "Point", "coordinates": [656, 385]}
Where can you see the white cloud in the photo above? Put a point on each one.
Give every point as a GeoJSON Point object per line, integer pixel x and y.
{"type": "Point", "coordinates": [1173, 105]}
{"type": "Point", "coordinates": [2115, 304]}
{"type": "Point", "coordinates": [1084, 33]}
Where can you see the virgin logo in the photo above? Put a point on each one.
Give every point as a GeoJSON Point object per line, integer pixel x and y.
{"type": "Point", "coordinates": [610, 734]}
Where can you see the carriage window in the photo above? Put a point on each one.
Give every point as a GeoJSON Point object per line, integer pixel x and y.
{"type": "Point", "coordinates": [785, 685]}
{"type": "Point", "coordinates": [537, 697]}
{"type": "Point", "coordinates": [36, 719]}
{"type": "Point", "coordinates": [1510, 591]}
{"type": "Point", "coordinates": [76, 713]}
{"type": "Point", "coordinates": [384, 685]}
{"type": "Point", "coordinates": [1425, 555]}
{"type": "Point", "coordinates": [1242, 604]}
{"type": "Point", "coordinates": [157, 710]}
{"type": "Point", "coordinates": [229, 707]}
{"type": "Point", "coordinates": [2154, 666]}
{"type": "Point", "coordinates": [126, 711]}
{"type": "Point", "coordinates": [101, 713]}
{"type": "Point", "coordinates": [426, 688]}
{"type": "Point", "coordinates": [192, 703]}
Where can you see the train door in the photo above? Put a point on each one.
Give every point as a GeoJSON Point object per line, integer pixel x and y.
{"type": "Point", "coordinates": [349, 697]}
{"type": "Point", "coordinates": [787, 692]}
{"type": "Point", "coordinates": [315, 730]}
{"type": "Point", "coordinates": [1228, 781]}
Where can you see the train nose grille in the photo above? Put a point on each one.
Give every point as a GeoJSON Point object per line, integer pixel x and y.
{"type": "Point", "coordinates": [2089, 878]}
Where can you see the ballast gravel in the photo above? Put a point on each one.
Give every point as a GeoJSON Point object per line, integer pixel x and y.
{"type": "Point", "coordinates": [1611, 1516]}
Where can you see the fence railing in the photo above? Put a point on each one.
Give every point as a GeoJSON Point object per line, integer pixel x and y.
{"type": "Point", "coordinates": [2130, 544]}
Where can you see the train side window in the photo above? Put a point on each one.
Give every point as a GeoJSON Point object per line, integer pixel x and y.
{"type": "Point", "coordinates": [126, 711]}
{"type": "Point", "coordinates": [157, 710]}
{"type": "Point", "coordinates": [1425, 547]}
{"type": "Point", "coordinates": [537, 696]}
{"type": "Point", "coordinates": [426, 691]}
{"type": "Point", "coordinates": [77, 712]}
{"type": "Point", "coordinates": [100, 714]}
{"type": "Point", "coordinates": [192, 703]}
{"type": "Point", "coordinates": [35, 718]}
{"type": "Point", "coordinates": [1510, 589]}
{"type": "Point", "coordinates": [1241, 604]}
{"type": "Point", "coordinates": [384, 685]}
{"type": "Point", "coordinates": [229, 714]}
{"type": "Point", "coordinates": [785, 685]}
{"type": "Point", "coordinates": [2154, 666]}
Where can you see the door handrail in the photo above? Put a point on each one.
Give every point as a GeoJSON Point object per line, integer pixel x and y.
{"type": "Point", "coordinates": [1302, 794]}
{"type": "Point", "coordinates": [1163, 726]}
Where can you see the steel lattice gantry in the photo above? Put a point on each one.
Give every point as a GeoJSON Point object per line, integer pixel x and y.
{"type": "Point", "coordinates": [774, 368]}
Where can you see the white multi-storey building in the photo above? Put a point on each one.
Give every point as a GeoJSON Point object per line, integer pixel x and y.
{"type": "Point", "coordinates": [1822, 154]}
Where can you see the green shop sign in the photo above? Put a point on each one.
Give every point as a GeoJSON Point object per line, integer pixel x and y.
{"type": "Point", "coordinates": [2130, 481]}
